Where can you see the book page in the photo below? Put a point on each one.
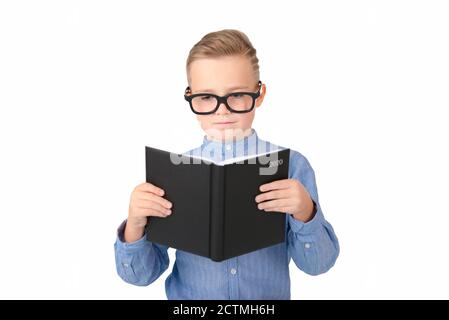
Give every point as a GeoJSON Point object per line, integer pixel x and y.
{"type": "Point", "coordinates": [240, 158]}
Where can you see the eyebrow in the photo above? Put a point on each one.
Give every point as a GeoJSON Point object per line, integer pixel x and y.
{"type": "Point", "coordinates": [228, 90]}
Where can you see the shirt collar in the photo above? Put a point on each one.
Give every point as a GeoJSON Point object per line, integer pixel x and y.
{"type": "Point", "coordinates": [236, 147]}
{"type": "Point", "coordinates": [235, 142]}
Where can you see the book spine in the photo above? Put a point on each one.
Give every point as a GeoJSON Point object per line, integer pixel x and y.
{"type": "Point", "coordinates": [147, 179]}
{"type": "Point", "coordinates": [217, 210]}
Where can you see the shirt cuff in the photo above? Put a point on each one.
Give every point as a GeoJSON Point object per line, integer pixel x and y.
{"type": "Point", "coordinates": [128, 246]}
{"type": "Point", "coordinates": [309, 227]}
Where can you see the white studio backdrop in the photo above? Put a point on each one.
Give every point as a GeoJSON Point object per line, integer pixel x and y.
{"type": "Point", "coordinates": [359, 87]}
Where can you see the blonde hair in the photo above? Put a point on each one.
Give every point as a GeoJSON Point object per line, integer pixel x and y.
{"type": "Point", "coordinates": [227, 42]}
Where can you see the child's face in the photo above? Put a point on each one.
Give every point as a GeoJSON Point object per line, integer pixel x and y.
{"type": "Point", "coordinates": [221, 76]}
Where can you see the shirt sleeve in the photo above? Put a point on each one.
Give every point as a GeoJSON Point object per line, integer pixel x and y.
{"type": "Point", "coordinates": [313, 245]}
{"type": "Point", "coordinates": [141, 262]}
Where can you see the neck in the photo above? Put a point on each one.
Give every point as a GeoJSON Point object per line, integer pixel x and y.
{"type": "Point", "coordinates": [229, 135]}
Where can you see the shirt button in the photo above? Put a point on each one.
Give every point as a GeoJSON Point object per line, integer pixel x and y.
{"type": "Point", "coordinates": [228, 147]}
{"type": "Point", "coordinates": [126, 265]}
{"type": "Point", "coordinates": [233, 271]}
{"type": "Point", "coordinates": [307, 245]}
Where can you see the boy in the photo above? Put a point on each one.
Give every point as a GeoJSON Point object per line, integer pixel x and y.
{"type": "Point", "coordinates": [224, 91]}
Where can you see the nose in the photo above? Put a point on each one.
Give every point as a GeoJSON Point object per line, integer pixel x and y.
{"type": "Point", "coordinates": [222, 109]}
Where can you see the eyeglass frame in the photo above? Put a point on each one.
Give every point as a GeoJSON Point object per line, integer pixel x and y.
{"type": "Point", "coordinates": [222, 99]}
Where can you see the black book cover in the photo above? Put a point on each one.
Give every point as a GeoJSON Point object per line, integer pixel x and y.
{"type": "Point", "coordinates": [214, 212]}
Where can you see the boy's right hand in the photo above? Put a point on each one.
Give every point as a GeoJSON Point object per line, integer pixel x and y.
{"type": "Point", "coordinates": [146, 201]}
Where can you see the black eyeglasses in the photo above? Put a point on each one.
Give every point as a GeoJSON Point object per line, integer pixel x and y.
{"type": "Point", "coordinates": [207, 103]}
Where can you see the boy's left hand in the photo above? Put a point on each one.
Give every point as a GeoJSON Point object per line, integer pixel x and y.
{"type": "Point", "coordinates": [287, 195]}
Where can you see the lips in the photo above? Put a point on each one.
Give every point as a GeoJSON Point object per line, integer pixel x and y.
{"type": "Point", "coordinates": [224, 122]}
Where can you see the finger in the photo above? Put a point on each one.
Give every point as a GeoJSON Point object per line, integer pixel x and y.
{"type": "Point", "coordinates": [280, 209]}
{"type": "Point", "coordinates": [152, 197]}
{"type": "Point", "coordinates": [148, 187]}
{"type": "Point", "coordinates": [147, 204]}
{"type": "Point", "coordinates": [149, 212]}
{"type": "Point", "coordinates": [143, 212]}
{"type": "Point", "coordinates": [275, 194]}
{"type": "Point", "coordinates": [274, 204]}
{"type": "Point", "coordinates": [278, 184]}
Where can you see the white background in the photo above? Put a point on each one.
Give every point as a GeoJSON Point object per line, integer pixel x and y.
{"type": "Point", "coordinates": [359, 87]}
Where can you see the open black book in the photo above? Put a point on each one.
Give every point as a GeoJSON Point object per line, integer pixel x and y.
{"type": "Point", "coordinates": [214, 212]}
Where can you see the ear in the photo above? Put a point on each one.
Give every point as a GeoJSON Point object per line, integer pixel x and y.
{"type": "Point", "coordinates": [259, 100]}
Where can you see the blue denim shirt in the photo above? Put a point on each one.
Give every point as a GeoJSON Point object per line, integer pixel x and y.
{"type": "Point", "coordinates": [261, 274]}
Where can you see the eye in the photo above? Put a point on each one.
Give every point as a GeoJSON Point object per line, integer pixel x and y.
{"type": "Point", "coordinates": [237, 95]}
{"type": "Point", "coordinates": [206, 98]}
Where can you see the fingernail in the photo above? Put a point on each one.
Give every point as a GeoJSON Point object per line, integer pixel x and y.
{"type": "Point", "coordinates": [168, 212]}
{"type": "Point", "coordinates": [169, 205]}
